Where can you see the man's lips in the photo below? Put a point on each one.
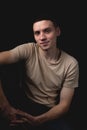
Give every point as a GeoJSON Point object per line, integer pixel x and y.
{"type": "Point", "coordinates": [44, 42]}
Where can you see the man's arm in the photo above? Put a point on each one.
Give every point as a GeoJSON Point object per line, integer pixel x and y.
{"type": "Point", "coordinates": [6, 110]}
{"type": "Point", "coordinates": [5, 57]}
{"type": "Point", "coordinates": [57, 111]}
{"type": "Point", "coordinates": [3, 100]}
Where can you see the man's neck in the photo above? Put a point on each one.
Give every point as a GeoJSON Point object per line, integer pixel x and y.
{"type": "Point", "coordinates": [50, 55]}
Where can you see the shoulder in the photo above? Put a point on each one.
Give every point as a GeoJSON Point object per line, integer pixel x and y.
{"type": "Point", "coordinates": [23, 50]}
{"type": "Point", "coordinates": [68, 58]}
{"type": "Point", "coordinates": [28, 44]}
{"type": "Point", "coordinates": [24, 47]}
{"type": "Point", "coordinates": [69, 62]}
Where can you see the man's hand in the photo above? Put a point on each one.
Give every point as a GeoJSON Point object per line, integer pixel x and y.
{"type": "Point", "coordinates": [27, 118]}
{"type": "Point", "coordinates": [8, 112]}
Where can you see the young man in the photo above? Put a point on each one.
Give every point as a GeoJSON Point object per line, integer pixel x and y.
{"type": "Point", "coordinates": [50, 80]}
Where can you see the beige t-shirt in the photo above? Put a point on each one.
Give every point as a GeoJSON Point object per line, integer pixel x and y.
{"type": "Point", "coordinates": [44, 79]}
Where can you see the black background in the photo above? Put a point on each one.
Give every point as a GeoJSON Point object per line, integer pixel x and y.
{"type": "Point", "coordinates": [16, 28]}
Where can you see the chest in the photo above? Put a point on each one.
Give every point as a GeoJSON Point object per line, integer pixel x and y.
{"type": "Point", "coordinates": [44, 75]}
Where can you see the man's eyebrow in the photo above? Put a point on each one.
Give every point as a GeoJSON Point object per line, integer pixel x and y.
{"type": "Point", "coordinates": [47, 28]}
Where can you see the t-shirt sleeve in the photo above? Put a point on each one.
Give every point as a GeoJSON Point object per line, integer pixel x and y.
{"type": "Point", "coordinates": [72, 75]}
{"type": "Point", "coordinates": [22, 52]}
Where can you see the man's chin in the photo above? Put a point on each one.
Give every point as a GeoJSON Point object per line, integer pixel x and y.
{"type": "Point", "coordinates": [45, 48]}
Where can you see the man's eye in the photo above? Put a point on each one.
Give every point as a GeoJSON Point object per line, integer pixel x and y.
{"type": "Point", "coordinates": [36, 33]}
{"type": "Point", "coordinates": [47, 31]}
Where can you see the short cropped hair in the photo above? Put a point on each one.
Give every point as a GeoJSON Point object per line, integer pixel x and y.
{"type": "Point", "coordinates": [45, 16]}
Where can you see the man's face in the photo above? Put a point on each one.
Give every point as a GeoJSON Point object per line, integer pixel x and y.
{"type": "Point", "coordinates": [45, 34]}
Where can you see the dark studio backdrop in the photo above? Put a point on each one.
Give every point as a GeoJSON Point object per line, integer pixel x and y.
{"type": "Point", "coordinates": [16, 29]}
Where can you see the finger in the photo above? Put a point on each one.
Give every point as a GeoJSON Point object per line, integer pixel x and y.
{"type": "Point", "coordinates": [19, 112]}
{"type": "Point", "coordinates": [17, 121]}
{"type": "Point", "coordinates": [23, 120]}
{"type": "Point", "coordinates": [24, 114]}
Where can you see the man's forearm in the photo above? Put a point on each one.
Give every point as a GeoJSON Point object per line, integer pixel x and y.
{"type": "Point", "coordinates": [52, 114]}
{"type": "Point", "coordinates": [3, 100]}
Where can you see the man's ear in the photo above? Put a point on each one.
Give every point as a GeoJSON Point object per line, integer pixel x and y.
{"type": "Point", "coordinates": [58, 31]}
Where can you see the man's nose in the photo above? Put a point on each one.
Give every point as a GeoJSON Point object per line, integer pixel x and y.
{"type": "Point", "coordinates": [42, 36]}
